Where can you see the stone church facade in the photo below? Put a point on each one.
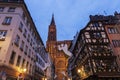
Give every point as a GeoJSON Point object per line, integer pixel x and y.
{"type": "Point", "coordinates": [60, 60]}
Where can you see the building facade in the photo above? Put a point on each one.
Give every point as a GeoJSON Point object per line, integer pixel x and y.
{"type": "Point", "coordinates": [93, 56]}
{"type": "Point", "coordinates": [18, 40]}
{"type": "Point", "coordinates": [41, 63]}
{"type": "Point", "coordinates": [59, 59]}
{"type": "Point", "coordinates": [113, 31]}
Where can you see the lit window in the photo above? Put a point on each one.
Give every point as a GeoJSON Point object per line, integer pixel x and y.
{"type": "Point", "coordinates": [11, 9]}
{"type": "Point", "coordinates": [1, 9]}
{"type": "Point", "coordinates": [7, 20]}
{"type": "Point", "coordinates": [12, 57]}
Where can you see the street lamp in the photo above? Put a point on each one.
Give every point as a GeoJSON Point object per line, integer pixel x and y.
{"type": "Point", "coordinates": [78, 70]}
{"type": "Point", "coordinates": [22, 71]}
{"type": "Point", "coordinates": [44, 78]}
{"type": "Point", "coordinates": [69, 78]}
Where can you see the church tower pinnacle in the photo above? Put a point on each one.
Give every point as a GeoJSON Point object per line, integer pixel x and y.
{"type": "Point", "coordinates": [52, 30]}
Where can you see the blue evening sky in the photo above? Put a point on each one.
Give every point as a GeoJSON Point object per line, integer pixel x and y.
{"type": "Point", "coordinates": [70, 15]}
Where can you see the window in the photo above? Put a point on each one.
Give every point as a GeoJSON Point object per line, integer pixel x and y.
{"type": "Point", "coordinates": [26, 49]}
{"type": "Point", "coordinates": [21, 26]}
{"type": "Point", "coordinates": [23, 63]}
{"type": "Point", "coordinates": [1, 9]}
{"type": "Point", "coordinates": [7, 20]}
{"type": "Point", "coordinates": [27, 23]}
{"type": "Point", "coordinates": [17, 40]}
{"type": "Point", "coordinates": [31, 42]}
{"type": "Point", "coordinates": [30, 69]}
{"type": "Point", "coordinates": [87, 35]}
{"type": "Point", "coordinates": [11, 9]}
{"type": "Point", "coordinates": [116, 43]}
{"type": "Point", "coordinates": [22, 46]}
{"type": "Point", "coordinates": [25, 33]}
{"type": "Point", "coordinates": [2, 34]}
{"type": "Point", "coordinates": [112, 30]}
{"type": "Point", "coordinates": [28, 38]}
{"type": "Point", "coordinates": [29, 53]}
{"type": "Point", "coordinates": [96, 35]}
{"type": "Point", "coordinates": [12, 57]}
{"type": "Point", "coordinates": [23, 16]}
{"type": "Point", "coordinates": [18, 61]}
{"type": "Point", "coordinates": [27, 64]}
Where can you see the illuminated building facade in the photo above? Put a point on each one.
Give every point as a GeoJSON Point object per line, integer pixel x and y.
{"type": "Point", "coordinates": [59, 58]}
{"type": "Point", "coordinates": [18, 40]}
{"type": "Point", "coordinates": [93, 56]}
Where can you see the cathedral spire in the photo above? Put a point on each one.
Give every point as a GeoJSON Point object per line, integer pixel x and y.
{"type": "Point", "coordinates": [52, 30]}
{"type": "Point", "coordinates": [52, 21]}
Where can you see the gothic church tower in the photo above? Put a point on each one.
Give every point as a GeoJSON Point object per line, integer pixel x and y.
{"type": "Point", "coordinates": [58, 57]}
{"type": "Point", "coordinates": [52, 30]}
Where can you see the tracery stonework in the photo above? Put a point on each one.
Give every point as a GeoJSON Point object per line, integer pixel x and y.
{"type": "Point", "coordinates": [59, 58]}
